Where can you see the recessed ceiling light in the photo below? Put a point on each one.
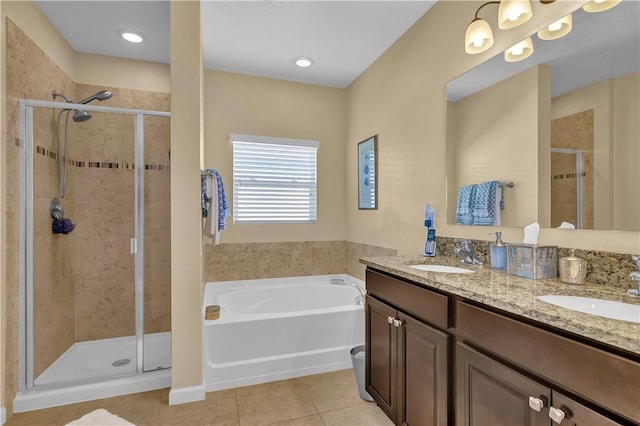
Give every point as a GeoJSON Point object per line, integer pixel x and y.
{"type": "Point", "coordinates": [132, 37]}
{"type": "Point", "coordinates": [303, 61]}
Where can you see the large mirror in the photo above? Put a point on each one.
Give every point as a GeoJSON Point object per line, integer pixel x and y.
{"type": "Point", "coordinates": [562, 125]}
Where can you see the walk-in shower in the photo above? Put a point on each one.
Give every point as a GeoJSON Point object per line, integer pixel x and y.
{"type": "Point", "coordinates": [94, 303]}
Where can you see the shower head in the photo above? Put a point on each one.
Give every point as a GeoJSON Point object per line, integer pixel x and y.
{"type": "Point", "coordinates": [102, 95]}
{"type": "Point", "coordinates": [79, 116]}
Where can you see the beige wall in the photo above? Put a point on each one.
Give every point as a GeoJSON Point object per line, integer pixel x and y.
{"type": "Point", "coordinates": [259, 106]}
{"type": "Point", "coordinates": [497, 123]}
{"type": "Point", "coordinates": [186, 233]}
{"type": "Point", "coordinates": [626, 153]}
{"type": "Point", "coordinates": [597, 97]}
{"type": "Point", "coordinates": [616, 152]}
{"type": "Point", "coordinates": [401, 97]}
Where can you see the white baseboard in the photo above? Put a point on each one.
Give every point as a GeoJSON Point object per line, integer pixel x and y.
{"type": "Point", "coordinates": [3, 416]}
{"type": "Point", "coordinates": [186, 394]}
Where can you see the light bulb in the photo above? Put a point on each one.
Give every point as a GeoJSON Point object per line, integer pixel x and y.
{"type": "Point", "coordinates": [555, 26]}
{"type": "Point", "coordinates": [519, 51]}
{"type": "Point", "coordinates": [514, 15]}
{"type": "Point", "coordinates": [132, 37]}
{"type": "Point", "coordinates": [478, 41]}
{"type": "Point", "coordinates": [303, 61]}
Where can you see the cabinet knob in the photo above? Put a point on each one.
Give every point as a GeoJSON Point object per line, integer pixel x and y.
{"type": "Point", "coordinates": [397, 322]}
{"type": "Point", "coordinates": [390, 320]}
{"type": "Point", "coordinates": [556, 415]}
{"type": "Point", "coordinates": [536, 404]}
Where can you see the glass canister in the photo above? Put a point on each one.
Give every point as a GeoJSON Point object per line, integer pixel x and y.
{"type": "Point", "coordinates": [573, 270]}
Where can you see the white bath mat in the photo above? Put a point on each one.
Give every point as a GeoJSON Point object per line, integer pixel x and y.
{"type": "Point", "coordinates": [100, 417]}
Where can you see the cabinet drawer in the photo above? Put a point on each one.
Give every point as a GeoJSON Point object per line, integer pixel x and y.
{"type": "Point", "coordinates": [424, 304]}
{"type": "Point", "coordinates": [603, 378]}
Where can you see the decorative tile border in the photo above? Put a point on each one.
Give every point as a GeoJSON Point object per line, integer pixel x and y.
{"type": "Point", "coordinates": [101, 164]}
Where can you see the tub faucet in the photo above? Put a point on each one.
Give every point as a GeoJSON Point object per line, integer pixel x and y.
{"type": "Point", "coordinates": [465, 252]}
{"type": "Point", "coordinates": [635, 277]}
{"type": "Point", "coordinates": [361, 290]}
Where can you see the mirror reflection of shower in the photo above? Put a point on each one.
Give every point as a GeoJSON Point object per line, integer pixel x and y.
{"type": "Point", "coordinates": [62, 225]}
{"type": "Point", "coordinates": [567, 173]}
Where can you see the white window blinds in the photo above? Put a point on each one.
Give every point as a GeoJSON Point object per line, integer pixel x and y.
{"type": "Point", "coordinates": [274, 180]}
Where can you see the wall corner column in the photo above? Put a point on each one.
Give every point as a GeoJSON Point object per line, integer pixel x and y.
{"type": "Point", "coordinates": [186, 234]}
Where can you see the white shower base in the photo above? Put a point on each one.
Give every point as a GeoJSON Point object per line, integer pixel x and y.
{"type": "Point", "coordinates": [85, 372]}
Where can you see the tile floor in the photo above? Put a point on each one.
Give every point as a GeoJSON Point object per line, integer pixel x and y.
{"type": "Point", "coordinates": [329, 399]}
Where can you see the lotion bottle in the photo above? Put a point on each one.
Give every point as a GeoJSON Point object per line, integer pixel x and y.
{"type": "Point", "coordinates": [498, 252]}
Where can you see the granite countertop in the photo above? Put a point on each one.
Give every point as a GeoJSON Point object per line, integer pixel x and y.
{"type": "Point", "coordinates": [517, 295]}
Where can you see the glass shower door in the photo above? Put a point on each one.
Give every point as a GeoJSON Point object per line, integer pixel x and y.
{"type": "Point", "coordinates": [157, 243]}
{"type": "Point", "coordinates": [82, 323]}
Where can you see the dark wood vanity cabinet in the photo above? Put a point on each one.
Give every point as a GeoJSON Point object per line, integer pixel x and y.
{"type": "Point", "coordinates": [602, 378]}
{"type": "Point", "coordinates": [406, 360]}
{"type": "Point", "coordinates": [490, 393]}
{"type": "Point", "coordinates": [436, 359]}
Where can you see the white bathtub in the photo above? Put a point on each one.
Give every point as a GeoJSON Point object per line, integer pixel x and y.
{"type": "Point", "coordinates": [279, 328]}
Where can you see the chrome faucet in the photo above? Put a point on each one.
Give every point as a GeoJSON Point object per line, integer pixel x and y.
{"type": "Point", "coordinates": [635, 276]}
{"type": "Point", "coordinates": [465, 252]}
{"type": "Point", "coordinates": [359, 300]}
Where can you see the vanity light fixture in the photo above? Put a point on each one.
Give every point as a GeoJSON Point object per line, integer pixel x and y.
{"type": "Point", "coordinates": [513, 13]}
{"type": "Point", "coordinates": [599, 5]}
{"type": "Point", "coordinates": [303, 61]}
{"type": "Point", "coordinates": [519, 51]}
{"type": "Point", "coordinates": [479, 36]}
{"type": "Point", "coordinates": [557, 29]}
{"type": "Point", "coordinates": [132, 37]}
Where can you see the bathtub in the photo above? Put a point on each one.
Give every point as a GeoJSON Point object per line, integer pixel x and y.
{"type": "Point", "coordinates": [273, 329]}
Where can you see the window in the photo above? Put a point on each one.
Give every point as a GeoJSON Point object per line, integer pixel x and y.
{"type": "Point", "coordinates": [274, 180]}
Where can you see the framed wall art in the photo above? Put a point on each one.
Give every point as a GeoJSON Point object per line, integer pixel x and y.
{"type": "Point", "coordinates": [368, 174]}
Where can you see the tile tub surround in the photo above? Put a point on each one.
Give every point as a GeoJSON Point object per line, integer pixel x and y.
{"type": "Point", "coordinates": [603, 268]}
{"type": "Point", "coordinates": [242, 261]}
{"type": "Point", "coordinates": [517, 295]}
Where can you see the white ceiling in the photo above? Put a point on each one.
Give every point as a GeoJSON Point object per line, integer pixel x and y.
{"type": "Point", "coordinates": [250, 37]}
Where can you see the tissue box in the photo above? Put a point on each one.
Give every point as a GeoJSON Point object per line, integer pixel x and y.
{"type": "Point", "coordinates": [532, 261]}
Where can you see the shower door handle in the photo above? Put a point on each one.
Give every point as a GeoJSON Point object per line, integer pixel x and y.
{"type": "Point", "coordinates": [134, 245]}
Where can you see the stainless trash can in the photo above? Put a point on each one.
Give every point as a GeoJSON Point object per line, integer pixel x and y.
{"type": "Point", "coordinates": [357, 359]}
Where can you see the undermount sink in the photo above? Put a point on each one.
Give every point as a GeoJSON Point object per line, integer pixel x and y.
{"type": "Point", "coordinates": [442, 268]}
{"type": "Point", "coordinates": [603, 308]}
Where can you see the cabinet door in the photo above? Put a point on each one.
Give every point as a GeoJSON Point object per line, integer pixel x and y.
{"type": "Point", "coordinates": [422, 374]}
{"type": "Point", "coordinates": [381, 355]}
{"type": "Point", "coordinates": [489, 393]}
{"type": "Point", "coordinates": [576, 414]}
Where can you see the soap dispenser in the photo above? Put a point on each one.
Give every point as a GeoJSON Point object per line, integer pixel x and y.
{"type": "Point", "coordinates": [498, 253]}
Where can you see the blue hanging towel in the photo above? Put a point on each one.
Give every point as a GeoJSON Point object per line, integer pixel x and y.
{"type": "Point", "coordinates": [464, 213]}
{"type": "Point", "coordinates": [484, 203]}
{"type": "Point", "coordinates": [222, 203]}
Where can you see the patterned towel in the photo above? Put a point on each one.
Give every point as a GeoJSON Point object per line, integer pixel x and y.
{"type": "Point", "coordinates": [464, 213]}
{"type": "Point", "coordinates": [223, 204]}
{"type": "Point", "coordinates": [484, 203]}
